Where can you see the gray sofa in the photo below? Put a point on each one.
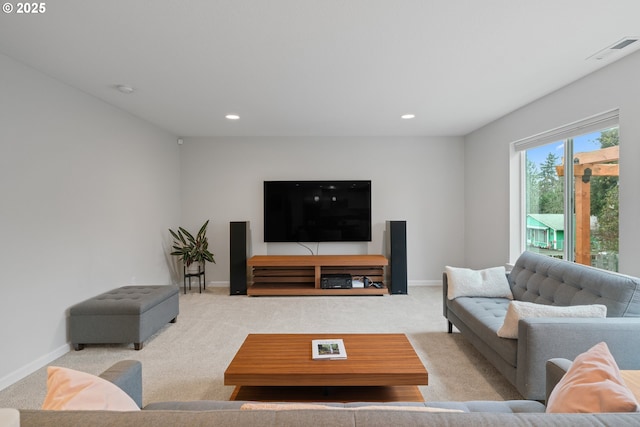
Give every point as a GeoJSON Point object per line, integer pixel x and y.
{"type": "Point", "coordinates": [545, 280]}
{"type": "Point", "coordinates": [128, 376]}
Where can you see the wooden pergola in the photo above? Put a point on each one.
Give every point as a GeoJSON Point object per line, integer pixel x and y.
{"type": "Point", "coordinates": [586, 165]}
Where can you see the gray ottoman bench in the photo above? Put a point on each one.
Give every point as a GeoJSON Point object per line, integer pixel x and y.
{"type": "Point", "coordinates": [129, 314]}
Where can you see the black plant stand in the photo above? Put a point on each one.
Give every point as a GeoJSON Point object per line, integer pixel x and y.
{"type": "Point", "coordinates": [199, 274]}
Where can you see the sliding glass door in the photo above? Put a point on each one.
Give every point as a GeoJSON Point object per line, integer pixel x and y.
{"type": "Point", "coordinates": [571, 208]}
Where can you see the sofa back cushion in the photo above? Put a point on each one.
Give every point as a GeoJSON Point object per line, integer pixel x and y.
{"type": "Point", "coordinates": [546, 280]}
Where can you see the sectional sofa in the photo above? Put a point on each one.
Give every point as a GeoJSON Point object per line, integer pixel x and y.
{"type": "Point", "coordinates": [128, 376]}
{"type": "Point", "coordinates": [548, 281]}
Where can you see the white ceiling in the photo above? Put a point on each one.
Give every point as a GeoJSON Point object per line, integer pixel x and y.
{"type": "Point", "coordinates": [322, 67]}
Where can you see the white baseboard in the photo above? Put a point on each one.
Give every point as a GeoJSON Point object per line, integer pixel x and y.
{"type": "Point", "coordinates": [218, 284]}
{"type": "Point", "coordinates": [424, 283]}
{"type": "Point", "coordinates": [33, 366]}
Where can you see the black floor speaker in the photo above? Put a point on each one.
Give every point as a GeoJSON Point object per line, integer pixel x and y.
{"type": "Point", "coordinates": [239, 252]}
{"type": "Point", "coordinates": [396, 253]}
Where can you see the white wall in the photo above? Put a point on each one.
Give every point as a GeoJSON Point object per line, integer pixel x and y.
{"type": "Point", "coordinates": [491, 193]}
{"type": "Point", "coordinates": [87, 194]}
{"type": "Point", "coordinates": [419, 180]}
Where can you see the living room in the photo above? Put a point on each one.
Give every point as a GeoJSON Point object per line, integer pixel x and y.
{"type": "Point", "coordinates": [93, 189]}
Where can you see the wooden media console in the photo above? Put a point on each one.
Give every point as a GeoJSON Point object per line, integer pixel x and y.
{"type": "Point", "coordinates": [300, 274]}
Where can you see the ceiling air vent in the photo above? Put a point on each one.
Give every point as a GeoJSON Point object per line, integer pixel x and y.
{"type": "Point", "coordinates": [614, 49]}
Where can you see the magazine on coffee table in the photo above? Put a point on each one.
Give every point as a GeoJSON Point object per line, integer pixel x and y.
{"type": "Point", "coordinates": [328, 349]}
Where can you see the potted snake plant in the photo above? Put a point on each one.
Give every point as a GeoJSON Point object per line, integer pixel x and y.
{"type": "Point", "coordinates": [192, 250]}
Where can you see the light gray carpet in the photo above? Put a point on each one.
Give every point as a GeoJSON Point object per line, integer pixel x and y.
{"type": "Point", "coordinates": [186, 360]}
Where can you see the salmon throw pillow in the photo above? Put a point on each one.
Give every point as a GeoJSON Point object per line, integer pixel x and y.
{"type": "Point", "coordinates": [592, 384]}
{"type": "Point", "coordinates": [68, 389]}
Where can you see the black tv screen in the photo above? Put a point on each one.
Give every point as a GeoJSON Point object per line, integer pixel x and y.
{"type": "Point", "coordinates": [317, 211]}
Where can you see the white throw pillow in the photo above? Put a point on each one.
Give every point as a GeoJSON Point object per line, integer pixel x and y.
{"type": "Point", "coordinates": [490, 282]}
{"type": "Point", "coordinates": [521, 310]}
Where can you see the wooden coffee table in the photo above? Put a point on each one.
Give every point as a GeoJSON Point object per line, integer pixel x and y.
{"type": "Point", "coordinates": [279, 367]}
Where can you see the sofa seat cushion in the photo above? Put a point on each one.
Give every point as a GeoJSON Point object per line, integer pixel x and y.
{"type": "Point", "coordinates": [484, 316]}
{"type": "Point", "coordinates": [133, 300]}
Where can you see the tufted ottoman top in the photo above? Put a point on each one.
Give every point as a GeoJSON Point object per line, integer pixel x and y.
{"type": "Point", "coordinates": [125, 300]}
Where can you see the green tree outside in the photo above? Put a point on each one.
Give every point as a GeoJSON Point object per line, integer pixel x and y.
{"type": "Point", "coordinates": [550, 186]}
{"type": "Point", "coordinates": [604, 201]}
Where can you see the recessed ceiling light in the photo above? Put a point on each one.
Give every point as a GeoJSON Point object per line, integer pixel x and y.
{"type": "Point", "coordinates": [408, 116]}
{"type": "Point", "coordinates": [125, 89]}
{"type": "Point", "coordinates": [232, 116]}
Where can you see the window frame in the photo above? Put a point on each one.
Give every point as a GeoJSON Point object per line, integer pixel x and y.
{"type": "Point", "coordinates": [518, 229]}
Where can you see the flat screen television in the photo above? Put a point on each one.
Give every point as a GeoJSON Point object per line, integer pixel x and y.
{"type": "Point", "coordinates": [317, 211]}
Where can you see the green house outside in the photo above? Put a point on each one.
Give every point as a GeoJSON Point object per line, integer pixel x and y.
{"type": "Point", "coordinates": [545, 231]}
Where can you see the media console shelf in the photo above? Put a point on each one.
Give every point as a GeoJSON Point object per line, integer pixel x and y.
{"type": "Point", "coordinates": [300, 274]}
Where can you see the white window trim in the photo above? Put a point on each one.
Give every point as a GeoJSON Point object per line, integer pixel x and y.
{"type": "Point", "coordinates": [605, 120]}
